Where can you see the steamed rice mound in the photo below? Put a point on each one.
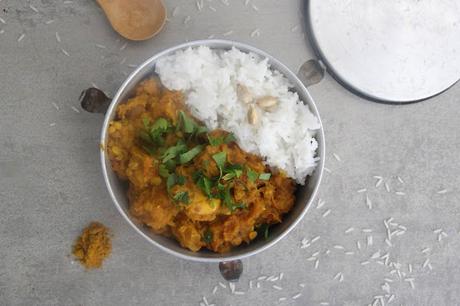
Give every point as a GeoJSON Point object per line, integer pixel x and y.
{"type": "Point", "coordinates": [209, 79]}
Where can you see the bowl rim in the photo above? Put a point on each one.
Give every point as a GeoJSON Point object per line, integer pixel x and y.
{"type": "Point", "coordinates": [230, 44]}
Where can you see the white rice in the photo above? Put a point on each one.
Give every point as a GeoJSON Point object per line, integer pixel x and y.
{"type": "Point", "coordinates": [284, 137]}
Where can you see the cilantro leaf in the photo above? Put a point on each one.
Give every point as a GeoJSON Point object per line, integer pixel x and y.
{"type": "Point", "coordinates": [188, 125]}
{"type": "Point", "coordinates": [234, 170]}
{"type": "Point", "coordinates": [146, 122]}
{"type": "Point", "coordinates": [163, 171]}
{"type": "Point", "coordinates": [263, 231]}
{"type": "Point", "coordinates": [204, 183]}
{"type": "Point", "coordinates": [229, 138]}
{"type": "Point", "coordinates": [207, 236]}
{"type": "Point", "coordinates": [174, 179]}
{"type": "Point", "coordinates": [170, 165]}
{"type": "Point", "coordinates": [160, 125]}
{"type": "Point", "coordinates": [174, 151]}
{"type": "Point", "coordinates": [220, 159]}
{"type": "Point", "coordinates": [252, 175]}
{"type": "Point", "coordinates": [201, 129]}
{"type": "Point", "coordinates": [265, 176]}
{"type": "Point", "coordinates": [191, 154]}
{"type": "Point", "coordinates": [170, 182]}
{"type": "Point", "coordinates": [180, 180]}
{"type": "Point", "coordinates": [227, 198]}
{"type": "Point", "coordinates": [182, 196]}
{"type": "Point", "coordinates": [228, 176]}
{"type": "Point", "coordinates": [215, 141]}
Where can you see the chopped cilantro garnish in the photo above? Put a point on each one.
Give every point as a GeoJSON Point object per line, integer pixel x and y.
{"type": "Point", "coordinates": [204, 183]}
{"type": "Point", "coordinates": [189, 155]}
{"type": "Point", "coordinates": [174, 179]}
{"type": "Point", "coordinates": [227, 198]}
{"type": "Point", "coordinates": [236, 170]}
{"type": "Point", "coordinates": [263, 230]}
{"type": "Point", "coordinates": [153, 133]}
{"type": "Point", "coordinates": [228, 176]}
{"type": "Point", "coordinates": [201, 129]}
{"type": "Point", "coordinates": [229, 138]}
{"type": "Point", "coordinates": [182, 196]}
{"type": "Point", "coordinates": [207, 236]}
{"type": "Point", "coordinates": [170, 182]}
{"type": "Point", "coordinates": [220, 159]}
{"type": "Point", "coordinates": [265, 176]}
{"type": "Point", "coordinates": [189, 125]}
{"type": "Point", "coordinates": [170, 165]}
{"type": "Point", "coordinates": [215, 141]}
{"type": "Point", "coordinates": [252, 175]}
{"type": "Point", "coordinates": [174, 151]}
{"type": "Point", "coordinates": [163, 171]}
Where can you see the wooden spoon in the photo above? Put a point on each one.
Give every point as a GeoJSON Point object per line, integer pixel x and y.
{"type": "Point", "coordinates": [135, 19]}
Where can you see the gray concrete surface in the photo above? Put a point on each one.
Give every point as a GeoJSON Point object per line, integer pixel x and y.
{"type": "Point", "coordinates": [51, 184]}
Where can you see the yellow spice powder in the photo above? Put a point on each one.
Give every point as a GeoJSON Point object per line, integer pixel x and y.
{"type": "Point", "coordinates": [93, 245]}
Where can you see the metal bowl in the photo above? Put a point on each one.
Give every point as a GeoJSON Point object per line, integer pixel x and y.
{"type": "Point", "coordinates": [117, 188]}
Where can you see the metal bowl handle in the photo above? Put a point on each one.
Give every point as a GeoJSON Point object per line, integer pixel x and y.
{"type": "Point", "coordinates": [311, 72]}
{"type": "Point", "coordinates": [231, 270]}
{"type": "Point", "coordinates": [94, 100]}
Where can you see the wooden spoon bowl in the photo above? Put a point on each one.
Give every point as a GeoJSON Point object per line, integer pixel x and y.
{"type": "Point", "coordinates": [135, 19]}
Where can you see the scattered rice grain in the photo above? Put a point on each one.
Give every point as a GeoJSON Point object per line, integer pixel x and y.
{"type": "Point", "coordinates": [388, 242]}
{"type": "Point", "coordinates": [175, 11]}
{"type": "Point", "coordinates": [337, 157]}
{"type": "Point", "coordinates": [21, 37]}
{"type": "Point", "coordinates": [33, 8]}
{"type": "Point", "coordinates": [326, 213]}
{"type": "Point", "coordinates": [294, 28]}
{"type": "Point", "coordinates": [349, 230]}
{"type": "Point", "coordinates": [297, 296]}
{"type": "Point", "coordinates": [214, 290]}
{"type": "Point", "coordinates": [400, 193]}
{"type": "Point", "coordinates": [227, 33]}
{"type": "Point", "coordinates": [277, 287]}
{"type": "Point", "coordinates": [255, 33]}
{"type": "Point", "coordinates": [443, 191]}
{"type": "Point", "coordinates": [425, 263]}
{"type": "Point", "coordinates": [387, 187]}
{"type": "Point", "coordinates": [222, 285]}
{"type": "Point", "coordinates": [362, 190]}
{"type": "Point", "coordinates": [65, 52]}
